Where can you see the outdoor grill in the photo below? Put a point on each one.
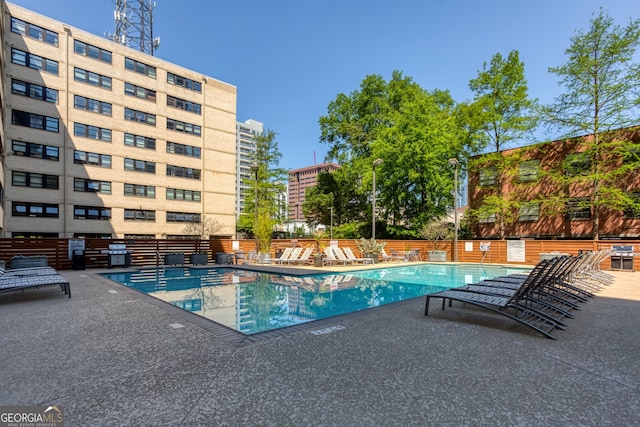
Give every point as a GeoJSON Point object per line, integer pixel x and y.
{"type": "Point", "coordinates": [119, 255]}
{"type": "Point", "coordinates": [622, 257]}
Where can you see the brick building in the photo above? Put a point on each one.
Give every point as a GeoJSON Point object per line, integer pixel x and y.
{"type": "Point", "coordinates": [540, 201]}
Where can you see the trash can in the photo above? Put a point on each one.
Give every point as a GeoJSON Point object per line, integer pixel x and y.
{"type": "Point", "coordinates": [224, 258]}
{"type": "Point", "coordinates": [78, 260]}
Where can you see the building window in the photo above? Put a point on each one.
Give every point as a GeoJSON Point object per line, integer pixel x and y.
{"type": "Point", "coordinates": [32, 90]}
{"type": "Point", "coordinates": [182, 217]}
{"type": "Point", "coordinates": [183, 127]}
{"type": "Point", "coordinates": [632, 211]}
{"type": "Point", "coordinates": [139, 165]}
{"type": "Point", "coordinates": [487, 176]}
{"type": "Point", "coordinates": [91, 212]}
{"type": "Point", "coordinates": [139, 141]}
{"type": "Point", "coordinates": [35, 180]}
{"type": "Point", "coordinates": [91, 78]}
{"type": "Point", "coordinates": [486, 217]}
{"type": "Point", "coordinates": [42, 210]}
{"type": "Point", "coordinates": [36, 62]}
{"type": "Point", "coordinates": [185, 150]}
{"type": "Point", "coordinates": [183, 104]}
{"type": "Point", "coordinates": [93, 105]}
{"type": "Point", "coordinates": [35, 121]}
{"type": "Point", "coordinates": [37, 151]}
{"type": "Point", "coordinates": [529, 171]}
{"type": "Point", "coordinates": [139, 190]}
{"type": "Point", "coordinates": [577, 164]}
{"type": "Point", "coordinates": [91, 51]}
{"type": "Point", "coordinates": [187, 195]}
{"type": "Point", "coordinates": [140, 67]}
{"type": "Point", "coordinates": [139, 116]}
{"type": "Point", "coordinates": [529, 212]}
{"type": "Point", "coordinates": [34, 32]}
{"type": "Point", "coordinates": [140, 92]}
{"type": "Point", "coordinates": [177, 80]}
{"type": "Point", "coordinates": [578, 209]}
{"type": "Point", "coordinates": [183, 172]}
{"type": "Point", "coordinates": [91, 186]}
{"type": "Point", "coordinates": [93, 132]}
{"type": "Point", "coordinates": [139, 215]}
{"type": "Point", "coordinates": [94, 159]}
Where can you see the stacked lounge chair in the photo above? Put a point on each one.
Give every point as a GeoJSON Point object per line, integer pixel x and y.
{"type": "Point", "coordinates": [542, 299]}
{"type": "Point", "coordinates": [20, 279]}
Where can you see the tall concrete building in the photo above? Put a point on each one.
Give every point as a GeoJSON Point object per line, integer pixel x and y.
{"type": "Point", "coordinates": [246, 154]}
{"type": "Point", "coordinates": [101, 140]}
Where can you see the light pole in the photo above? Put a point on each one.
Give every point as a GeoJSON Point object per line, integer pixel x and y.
{"type": "Point", "coordinates": [254, 168]}
{"type": "Point", "coordinates": [454, 162]}
{"type": "Point", "coordinates": [331, 226]}
{"type": "Point", "coordinates": [376, 162]}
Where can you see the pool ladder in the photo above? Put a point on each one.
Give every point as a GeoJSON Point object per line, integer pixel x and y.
{"type": "Point", "coordinates": [160, 262]}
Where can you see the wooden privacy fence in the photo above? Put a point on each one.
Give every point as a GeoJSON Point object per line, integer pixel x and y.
{"type": "Point", "coordinates": [152, 251]}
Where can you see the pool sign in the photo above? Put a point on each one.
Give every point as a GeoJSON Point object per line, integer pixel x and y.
{"type": "Point", "coordinates": [515, 251]}
{"type": "Point", "coordinates": [485, 246]}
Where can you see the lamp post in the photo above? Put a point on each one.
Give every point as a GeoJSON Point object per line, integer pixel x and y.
{"type": "Point", "coordinates": [331, 226]}
{"type": "Point", "coordinates": [254, 168]}
{"type": "Point", "coordinates": [376, 162]}
{"type": "Point", "coordinates": [454, 162]}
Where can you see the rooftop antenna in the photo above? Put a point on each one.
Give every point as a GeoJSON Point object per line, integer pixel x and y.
{"type": "Point", "coordinates": [134, 25]}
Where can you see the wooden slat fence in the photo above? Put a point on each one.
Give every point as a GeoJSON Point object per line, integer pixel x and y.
{"type": "Point", "coordinates": [149, 252]}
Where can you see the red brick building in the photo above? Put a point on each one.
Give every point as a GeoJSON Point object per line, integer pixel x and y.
{"type": "Point", "coordinates": [538, 191]}
{"type": "Point", "coordinates": [299, 181]}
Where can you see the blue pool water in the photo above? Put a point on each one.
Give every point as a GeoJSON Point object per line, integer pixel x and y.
{"type": "Point", "coordinates": [252, 302]}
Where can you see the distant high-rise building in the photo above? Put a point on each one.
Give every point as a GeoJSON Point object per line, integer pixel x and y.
{"type": "Point", "coordinates": [299, 181]}
{"type": "Point", "coordinates": [245, 155]}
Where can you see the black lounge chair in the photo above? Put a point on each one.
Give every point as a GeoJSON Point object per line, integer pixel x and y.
{"type": "Point", "coordinates": [515, 304]}
{"type": "Point", "coordinates": [20, 283]}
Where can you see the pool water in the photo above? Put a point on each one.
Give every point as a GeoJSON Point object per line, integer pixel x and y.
{"type": "Point", "coordinates": [252, 302]}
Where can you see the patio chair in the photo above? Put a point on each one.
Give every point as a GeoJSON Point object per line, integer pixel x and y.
{"type": "Point", "coordinates": [522, 309]}
{"type": "Point", "coordinates": [386, 257]}
{"type": "Point", "coordinates": [27, 271]}
{"type": "Point", "coordinates": [350, 255]}
{"type": "Point", "coordinates": [283, 256]}
{"type": "Point", "coordinates": [341, 256]}
{"type": "Point", "coordinates": [395, 254]}
{"type": "Point", "coordinates": [17, 283]}
{"type": "Point", "coordinates": [330, 257]}
{"type": "Point", "coordinates": [414, 255]}
{"type": "Point", "coordinates": [304, 258]}
{"type": "Point", "coordinates": [293, 255]}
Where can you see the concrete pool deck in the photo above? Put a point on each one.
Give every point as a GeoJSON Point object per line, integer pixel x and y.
{"type": "Point", "coordinates": [108, 357]}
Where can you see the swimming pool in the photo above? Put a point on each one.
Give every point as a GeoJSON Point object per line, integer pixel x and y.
{"type": "Point", "coordinates": [251, 302]}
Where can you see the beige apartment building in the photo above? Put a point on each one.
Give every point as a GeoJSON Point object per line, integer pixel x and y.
{"type": "Point", "coordinates": [100, 140]}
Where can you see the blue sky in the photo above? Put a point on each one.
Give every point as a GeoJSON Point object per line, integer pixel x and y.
{"type": "Point", "coordinates": [289, 59]}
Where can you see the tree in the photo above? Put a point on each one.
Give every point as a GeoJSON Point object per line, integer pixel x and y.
{"type": "Point", "coordinates": [262, 207]}
{"type": "Point", "coordinates": [204, 228]}
{"type": "Point", "coordinates": [414, 131]}
{"type": "Point", "coordinates": [500, 114]}
{"type": "Point", "coordinates": [602, 85]}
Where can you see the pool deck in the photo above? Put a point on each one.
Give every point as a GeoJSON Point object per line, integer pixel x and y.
{"type": "Point", "coordinates": [108, 356]}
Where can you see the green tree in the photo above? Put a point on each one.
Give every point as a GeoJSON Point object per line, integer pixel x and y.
{"type": "Point", "coordinates": [500, 114]}
{"type": "Point", "coordinates": [602, 86]}
{"type": "Point", "coordinates": [265, 187]}
{"type": "Point", "coordinates": [414, 131]}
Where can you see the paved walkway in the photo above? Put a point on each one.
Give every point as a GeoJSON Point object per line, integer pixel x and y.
{"type": "Point", "coordinates": [111, 358]}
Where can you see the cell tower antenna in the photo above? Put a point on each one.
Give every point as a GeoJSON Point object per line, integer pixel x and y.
{"type": "Point", "coordinates": [134, 25]}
